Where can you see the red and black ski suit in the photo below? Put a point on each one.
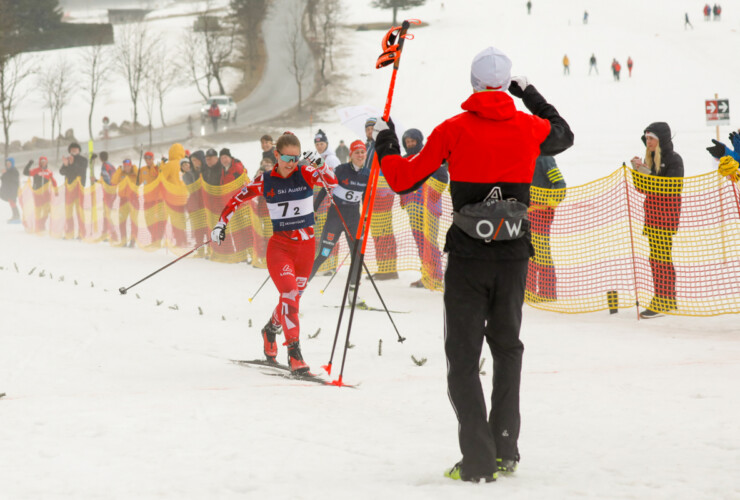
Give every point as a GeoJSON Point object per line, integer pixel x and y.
{"type": "Point", "coordinates": [290, 251]}
{"type": "Point", "coordinates": [490, 145]}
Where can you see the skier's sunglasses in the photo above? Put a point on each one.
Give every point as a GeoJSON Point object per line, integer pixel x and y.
{"type": "Point", "coordinates": [290, 158]}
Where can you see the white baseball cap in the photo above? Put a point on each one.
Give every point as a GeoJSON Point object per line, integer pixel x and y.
{"type": "Point", "coordinates": [491, 70]}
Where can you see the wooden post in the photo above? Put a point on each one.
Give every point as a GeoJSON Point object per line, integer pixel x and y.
{"type": "Point", "coordinates": [716, 96]}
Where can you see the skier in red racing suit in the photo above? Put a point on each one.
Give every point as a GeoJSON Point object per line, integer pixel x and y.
{"type": "Point", "coordinates": [288, 191]}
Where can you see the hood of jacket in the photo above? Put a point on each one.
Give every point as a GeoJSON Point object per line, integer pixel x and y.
{"type": "Point", "coordinates": [493, 105]}
{"type": "Point", "coordinates": [177, 153]}
{"type": "Point", "coordinates": [201, 156]}
{"type": "Point", "coordinates": [12, 162]}
{"type": "Point", "coordinates": [415, 134]}
{"type": "Point", "coordinates": [663, 132]}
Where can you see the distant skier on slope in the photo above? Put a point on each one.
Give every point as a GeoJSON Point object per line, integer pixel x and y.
{"type": "Point", "coordinates": [288, 191]}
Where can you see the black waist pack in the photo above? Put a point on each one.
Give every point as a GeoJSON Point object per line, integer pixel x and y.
{"type": "Point", "coordinates": [493, 220]}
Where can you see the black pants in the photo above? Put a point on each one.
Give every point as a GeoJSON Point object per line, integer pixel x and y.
{"type": "Point", "coordinates": [483, 300]}
{"type": "Point", "coordinates": [333, 230]}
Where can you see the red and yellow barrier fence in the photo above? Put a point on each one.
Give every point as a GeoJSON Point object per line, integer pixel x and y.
{"type": "Point", "coordinates": [620, 240]}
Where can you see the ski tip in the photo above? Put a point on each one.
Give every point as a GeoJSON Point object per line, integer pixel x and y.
{"type": "Point", "coordinates": [327, 368]}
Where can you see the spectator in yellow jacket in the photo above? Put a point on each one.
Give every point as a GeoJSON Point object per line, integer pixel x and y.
{"type": "Point", "coordinates": [175, 205]}
{"type": "Point", "coordinates": [126, 190]}
{"type": "Point", "coordinates": [149, 172]}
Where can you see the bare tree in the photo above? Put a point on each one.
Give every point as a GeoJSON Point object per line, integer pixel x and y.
{"type": "Point", "coordinates": [329, 12]}
{"type": "Point", "coordinates": [96, 63]}
{"type": "Point", "coordinates": [162, 78]}
{"type": "Point", "coordinates": [218, 42]}
{"type": "Point", "coordinates": [249, 15]}
{"type": "Point", "coordinates": [299, 57]}
{"type": "Point", "coordinates": [134, 57]}
{"type": "Point", "coordinates": [150, 99]}
{"type": "Point", "coordinates": [57, 85]}
{"type": "Point", "coordinates": [14, 69]}
{"type": "Point", "coordinates": [197, 64]}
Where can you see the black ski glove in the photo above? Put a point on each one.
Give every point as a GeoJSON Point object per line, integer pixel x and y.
{"type": "Point", "coordinates": [735, 140]}
{"type": "Point", "coordinates": [387, 142]}
{"type": "Point", "coordinates": [718, 150]}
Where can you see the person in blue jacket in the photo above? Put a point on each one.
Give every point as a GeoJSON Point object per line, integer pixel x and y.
{"type": "Point", "coordinates": [719, 149]}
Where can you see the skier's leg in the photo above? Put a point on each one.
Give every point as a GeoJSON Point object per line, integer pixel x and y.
{"type": "Point", "coordinates": [466, 299]}
{"type": "Point", "coordinates": [502, 334]}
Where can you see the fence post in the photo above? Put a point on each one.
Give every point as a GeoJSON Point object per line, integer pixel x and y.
{"type": "Point", "coordinates": [632, 240]}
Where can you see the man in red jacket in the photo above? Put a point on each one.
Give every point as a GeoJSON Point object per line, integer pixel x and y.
{"type": "Point", "coordinates": [232, 168]}
{"type": "Point", "coordinates": [491, 150]}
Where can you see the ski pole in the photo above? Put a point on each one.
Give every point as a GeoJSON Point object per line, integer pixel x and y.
{"type": "Point", "coordinates": [364, 266]}
{"type": "Point", "coordinates": [391, 53]}
{"type": "Point", "coordinates": [335, 273]}
{"type": "Point", "coordinates": [124, 289]}
{"type": "Point", "coordinates": [260, 288]}
{"type": "Point", "coordinates": [141, 155]}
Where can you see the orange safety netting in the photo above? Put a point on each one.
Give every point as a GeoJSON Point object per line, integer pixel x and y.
{"type": "Point", "coordinates": [621, 240]}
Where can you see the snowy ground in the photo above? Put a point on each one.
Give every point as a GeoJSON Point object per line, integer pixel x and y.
{"type": "Point", "coordinates": [115, 396]}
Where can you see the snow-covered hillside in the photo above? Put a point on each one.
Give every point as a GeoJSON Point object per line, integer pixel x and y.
{"type": "Point", "coordinates": [112, 396]}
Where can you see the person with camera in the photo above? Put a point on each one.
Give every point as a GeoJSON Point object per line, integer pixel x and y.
{"type": "Point", "coordinates": [74, 167]}
{"type": "Point", "coordinates": [352, 178]}
{"type": "Point", "coordinates": [661, 181]}
{"type": "Point", "coordinates": [288, 191]}
{"type": "Point", "coordinates": [488, 245]}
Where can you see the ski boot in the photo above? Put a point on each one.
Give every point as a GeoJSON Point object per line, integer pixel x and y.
{"type": "Point", "coordinates": [295, 359]}
{"type": "Point", "coordinates": [268, 337]}
{"type": "Point", "coordinates": [506, 465]}
{"type": "Point", "coordinates": [458, 473]}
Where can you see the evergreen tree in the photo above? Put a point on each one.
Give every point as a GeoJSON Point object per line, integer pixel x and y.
{"type": "Point", "coordinates": [396, 5]}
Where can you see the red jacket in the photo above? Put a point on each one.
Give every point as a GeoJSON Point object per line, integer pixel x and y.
{"type": "Point", "coordinates": [491, 146]}
{"type": "Point", "coordinates": [490, 142]}
{"type": "Point", "coordinates": [214, 112]}
{"type": "Point", "coordinates": [233, 172]}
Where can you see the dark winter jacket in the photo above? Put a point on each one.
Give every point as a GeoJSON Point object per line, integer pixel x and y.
{"type": "Point", "coordinates": [441, 173]}
{"type": "Point", "coordinates": [78, 168]}
{"type": "Point", "coordinates": [212, 175]}
{"type": "Point", "coordinates": [9, 182]}
{"type": "Point", "coordinates": [490, 147]}
{"type": "Point", "coordinates": [192, 176]}
{"type": "Point", "coordinates": [270, 154]}
{"type": "Point", "coordinates": [662, 188]}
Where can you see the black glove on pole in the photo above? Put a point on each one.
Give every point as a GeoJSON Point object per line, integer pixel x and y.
{"type": "Point", "coordinates": [718, 150]}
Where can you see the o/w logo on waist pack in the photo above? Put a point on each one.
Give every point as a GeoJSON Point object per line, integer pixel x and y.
{"type": "Point", "coordinates": [485, 230]}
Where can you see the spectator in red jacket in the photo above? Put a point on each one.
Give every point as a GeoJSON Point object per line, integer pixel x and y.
{"type": "Point", "coordinates": [214, 113]}
{"type": "Point", "coordinates": [232, 168]}
{"type": "Point", "coordinates": [41, 174]}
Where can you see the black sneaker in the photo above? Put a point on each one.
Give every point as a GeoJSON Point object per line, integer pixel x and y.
{"type": "Point", "coordinates": [648, 314]}
{"type": "Point", "coordinates": [268, 336]}
{"type": "Point", "coordinates": [458, 473]}
{"type": "Point", "coordinates": [506, 466]}
{"type": "Point", "coordinates": [295, 359]}
{"type": "Point", "coordinates": [393, 275]}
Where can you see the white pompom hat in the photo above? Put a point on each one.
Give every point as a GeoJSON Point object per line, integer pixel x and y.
{"type": "Point", "coordinates": [491, 70]}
